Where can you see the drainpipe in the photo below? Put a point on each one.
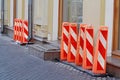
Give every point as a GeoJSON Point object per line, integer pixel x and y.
{"type": "Point", "coordinates": [30, 19]}
{"type": "Point", "coordinates": [2, 16]}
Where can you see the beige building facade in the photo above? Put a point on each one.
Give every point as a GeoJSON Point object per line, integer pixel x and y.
{"type": "Point", "coordinates": [49, 15]}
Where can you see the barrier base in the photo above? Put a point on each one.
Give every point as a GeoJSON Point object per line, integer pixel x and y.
{"type": "Point", "coordinates": [27, 43]}
{"type": "Point", "coordinates": [89, 72]}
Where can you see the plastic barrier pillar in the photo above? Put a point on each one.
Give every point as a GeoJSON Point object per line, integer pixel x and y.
{"type": "Point", "coordinates": [25, 31]}
{"type": "Point", "coordinates": [99, 64]}
{"type": "Point", "coordinates": [89, 48]}
{"type": "Point", "coordinates": [64, 41]}
{"type": "Point", "coordinates": [73, 43]}
{"type": "Point", "coordinates": [15, 28]}
{"type": "Point", "coordinates": [80, 45]}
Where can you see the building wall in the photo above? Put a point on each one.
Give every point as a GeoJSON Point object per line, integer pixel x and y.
{"type": "Point", "coordinates": [0, 9]}
{"type": "Point", "coordinates": [20, 9]}
{"type": "Point", "coordinates": [11, 13]}
{"type": "Point", "coordinates": [50, 16]}
{"type": "Point", "coordinates": [40, 11]}
{"type": "Point", "coordinates": [46, 18]}
{"type": "Point", "coordinates": [0, 12]}
{"type": "Point", "coordinates": [55, 20]}
{"type": "Point", "coordinates": [109, 10]}
{"type": "Point", "coordinates": [97, 13]}
{"type": "Point", "coordinates": [91, 13]}
{"type": "Point", "coordinates": [26, 9]}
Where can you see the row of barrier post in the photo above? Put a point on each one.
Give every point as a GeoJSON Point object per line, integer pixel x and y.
{"type": "Point", "coordinates": [21, 31]}
{"type": "Point", "coordinates": [78, 46]}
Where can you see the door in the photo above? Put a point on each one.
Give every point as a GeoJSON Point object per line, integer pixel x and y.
{"type": "Point", "coordinates": [116, 26]}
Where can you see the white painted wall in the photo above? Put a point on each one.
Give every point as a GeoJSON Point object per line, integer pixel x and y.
{"type": "Point", "coordinates": [91, 14]}
{"type": "Point", "coordinates": [55, 19]}
{"type": "Point", "coordinates": [11, 12]}
{"type": "Point", "coordinates": [19, 9]}
{"type": "Point", "coordinates": [109, 9]}
{"type": "Point", "coordinates": [26, 10]}
{"type": "Point", "coordinates": [41, 12]}
{"type": "Point", "coordinates": [0, 9]}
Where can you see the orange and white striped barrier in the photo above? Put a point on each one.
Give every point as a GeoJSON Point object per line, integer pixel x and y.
{"type": "Point", "coordinates": [20, 31]}
{"type": "Point", "coordinates": [99, 64]}
{"type": "Point", "coordinates": [89, 48]}
{"type": "Point", "coordinates": [80, 45]}
{"type": "Point", "coordinates": [64, 41]}
{"type": "Point", "coordinates": [73, 42]}
{"type": "Point", "coordinates": [15, 29]}
{"type": "Point", "coordinates": [25, 31]}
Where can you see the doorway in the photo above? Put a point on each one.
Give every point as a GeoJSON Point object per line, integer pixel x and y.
{"type": "Point", "coordinates": [116, 26]}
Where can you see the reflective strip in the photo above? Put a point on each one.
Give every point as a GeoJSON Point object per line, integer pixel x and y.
{"type": "Point", "coordinates": [17, 23]}
{"type": "Point", "coordinates": [103, 41]}
{"type": "Point", "coordinates": [89, 38]}
{"type": "Point", "coordinates": [26, 36]}
{"type": "Point", "coordinates": [73, 50]}
{"type": "Point", "coordinates": [65, 32]}
{"type": "Point", "coordinates": [89, 56]}
{"type": "Point", "coordinates": [65, 47]}
{"type": "Point", "coordinates": [74, 35]}
{"type": "Point", "coordinates": [81, 52]}
{"type": "Point", "coordinates": [14, 31]}
{"type": "Point", "coordinates": [82, 34]}
{"type": "Point", "coordinates": [25, 26]}
{"type": "Point", "coordinates": [101, 60]}
{"type": "Point", "coordinates": [20, 24]}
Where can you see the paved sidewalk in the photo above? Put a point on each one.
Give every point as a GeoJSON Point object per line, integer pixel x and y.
{"type": "Point", "coordinates": [17, 64]}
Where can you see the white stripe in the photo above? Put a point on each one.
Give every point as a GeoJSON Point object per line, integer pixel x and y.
{"type": "Point", "coordinates": [20, 33]}
{"type": "Point", "coordinates": [89, 56]}
{"type": "Point", "coordinates": [26, 36]}
{"type": "Point", "coordinates": [26, 27]}
{"type": "Point", "coordinates": [73, 50]}
{"type": "Point", "coordinates": [15, 23]}
{"type": "Point", "coordinates": [101, 60]}
{"type": "Point", "coordinates": [20, 24]}
{"type": "Point", "coordinates": [89, 38]}
{"type": "Point", "coordinates": [81, 52]}
{"type": "Point", "coordinates": [82, 34]}
{"type": "Point", "coordinates": [103, 41]}
{"type": "Point", "coordinates": [65, 47]}
{"type": "Point", "coordinates": [15, 31]}
{"type": "Point", "coordinates": [66, 32]}
{"type": "Point", "coordinates": [74, 35]}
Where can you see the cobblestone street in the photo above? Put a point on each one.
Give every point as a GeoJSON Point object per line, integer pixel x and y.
{"type": "Point", "coordinates": [17, 64]}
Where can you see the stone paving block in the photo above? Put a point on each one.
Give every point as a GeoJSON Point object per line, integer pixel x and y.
{"type": "Point", "coordinates": [17, 64]}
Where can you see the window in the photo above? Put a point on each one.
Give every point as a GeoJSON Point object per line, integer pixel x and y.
{"type": "Point", "coordinates": [72, 11]}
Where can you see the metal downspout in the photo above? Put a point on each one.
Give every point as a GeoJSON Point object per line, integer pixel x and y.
{"type": "Point", "coordinates": [30, 19]}
{"type": "Point", "coordinates": [2, 16]}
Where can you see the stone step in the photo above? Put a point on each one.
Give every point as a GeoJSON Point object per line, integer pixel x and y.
{"type": "Point", "coordinates": [113, 66]}
{"type": "Point", "coordinates": [44, 51]}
